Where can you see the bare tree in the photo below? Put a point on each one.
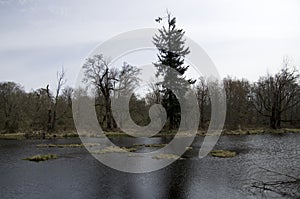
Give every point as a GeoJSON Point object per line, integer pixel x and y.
{"type": "Point", "coordinates": [106, 79]}
{"type": "Point", "coordinates": [273, 95]}
{"type": "Point", "coordinates": [272, 182]}
{"type": "Point", "coordinates": [202, 97]}
{"type": "Point", "coordinates": [154, 94]}
{"type": "Point", "coordinates": [127, 78]}
{"type": "Point", "coordinates": [99, 73]}
{"type": "Point", "coordinates": [61, 81]}
{"type": "Point", "coordinates": [53, 101]}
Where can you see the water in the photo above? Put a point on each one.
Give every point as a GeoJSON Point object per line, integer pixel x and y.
{"type": "Point", "coordinates": [77, 174]}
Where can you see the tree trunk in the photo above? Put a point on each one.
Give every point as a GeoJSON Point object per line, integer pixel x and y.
{"type": "Point", "coordinates": [108, 113]}
{"type": "Point", "coordinates": [278, 120]}
{"type": "Point", "coordinates": [202, 112]}
{"type": "Point", "coordinates": [49, 121]}
{"type": "Point", "coordinates": [171, 111]}
{"type": "Point", "coordinates": [54, 116]}
{"type": "Point", "coordinates": [273, 118]}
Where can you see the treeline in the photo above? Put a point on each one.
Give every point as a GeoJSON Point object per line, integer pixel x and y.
{"type": "Point", "coordinates": [272, 101]}
{"type": "Point", "coordinates": [38, 110]}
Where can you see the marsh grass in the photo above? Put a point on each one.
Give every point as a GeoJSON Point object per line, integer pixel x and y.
{"type": "Point", "coordinates": [260, 131]}
{"type": "Point", "coordinates": [63, 135]}
{"type": "Point", "coordinates": [67, 145]}
{"type": "Point", "coordinates": [223, 153]}
{"type": "Point", "coordinates": [114, 149]}
{"type": "Point", "coordinates": [167, 156]}
{"type": "Point", "coordinates": [188, 148]}
{"type": "Point", "coordinates": [59, 145]}
{"type": "Point", "coordinates": [13, 136]}
{"type": "Point", "coordinates": [38, 158]}
{"type": "Point", "coordinates": [151, 145]}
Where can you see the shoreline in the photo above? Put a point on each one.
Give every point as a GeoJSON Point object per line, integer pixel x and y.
{"type": "Point", "coordinates": [66, 135]}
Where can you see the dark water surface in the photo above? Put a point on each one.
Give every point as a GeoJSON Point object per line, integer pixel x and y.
{"type": "Point", "coordinates": [77, 174]}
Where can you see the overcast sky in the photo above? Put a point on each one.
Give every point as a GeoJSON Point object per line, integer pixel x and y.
{"type": "Point", "coordinates": [243, 38]}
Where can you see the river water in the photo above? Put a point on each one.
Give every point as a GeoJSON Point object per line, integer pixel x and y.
{"type": "Point", "coordinates": [77, 174]}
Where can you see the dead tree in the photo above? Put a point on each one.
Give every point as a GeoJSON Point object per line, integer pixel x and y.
{"type": "Point", "coordinates": [271, 182]}
{"type": "Point", "coordinates": [53, 101]}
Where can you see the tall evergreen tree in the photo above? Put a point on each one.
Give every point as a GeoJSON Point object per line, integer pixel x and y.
{"type": "Point", "coordinates": [170, 66]}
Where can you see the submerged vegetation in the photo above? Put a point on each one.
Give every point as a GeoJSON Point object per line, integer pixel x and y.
{"type": "Point", "coordinates": [223, 153]}
{"type": "Point", "coordinates": [38, 158]}
{"type": "Point", "coordinates": [114, 149]}
{"type": "Point", "coordinates": [167, 156]}
{"type": "Point", "coordinates": [151, 145]}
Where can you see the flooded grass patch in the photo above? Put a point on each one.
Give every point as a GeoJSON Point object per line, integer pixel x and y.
{"type": "Point", "coordinates": [116, 134]}
{"type": "Point", "coordinates": [151, 145]}
{"type": "Point", "coordinates": [188, 148]}
{"type": "Point", "coordinates": [167, 156]}
{"type": "Point", "coordinates": [157, 145]}
{"type": "Point", "coordinates": [38, 158]}
{"type": "Point", "coordinates": [114, 149]}
{"type": "Point", "coordinates": [223, 153]}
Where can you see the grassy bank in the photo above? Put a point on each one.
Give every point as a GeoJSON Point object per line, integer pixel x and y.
{"type": "Point", "coordinates": [13, 136]}
{"type": "Point", "coordinates": [22, 136]}
{"type": "Point", "coordinates": [260, 131]}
